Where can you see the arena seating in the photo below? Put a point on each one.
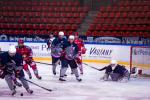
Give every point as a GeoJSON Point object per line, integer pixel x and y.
{"type": "Point", "coordinates": [40, 17]}
{"type": "Point", "coordinates": [126, 18]}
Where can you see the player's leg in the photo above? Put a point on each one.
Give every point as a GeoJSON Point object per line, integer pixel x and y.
{"type": "Point", "coordinates": [125, 77]}
{"type": "Point", "coordinates": [63, 69]}
{"type": "Point", "coordinates": [15, 81]}
{"type": "Point", "coordinates": [115, 76]}
{"type": "Point", "coordinates": [54, 64]}
{"type": "Point", "coordinates": [79, 63]}
{"type": "Point", "coordinates": [34, 68]}
{"type": "Point", "coordinates": [24, 82]}
{"type": "Point", "coordinates": [10, 84]}
{"type": "Point", "coordinates": [25, 67]}
{"type": "Point", "coordinates": [74, 69]}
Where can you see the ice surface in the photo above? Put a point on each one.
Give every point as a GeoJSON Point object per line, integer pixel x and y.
{"type": "Point", "coordinates": [91, 88]}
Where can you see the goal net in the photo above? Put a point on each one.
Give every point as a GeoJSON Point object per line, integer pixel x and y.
{"type": "Point", "coordinates": [140, 58]}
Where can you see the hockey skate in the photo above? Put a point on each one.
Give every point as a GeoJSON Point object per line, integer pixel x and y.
{"type": "Point", "coordinates": [61, 79]}
{"type": "Point", "coordinates": [54, 72]}
{"type": "Point", "coordinates": [78, 79]}
{"type": "Point", "coordinates": [30, 77]}
{"type": "Point", "coordinates": [29, 91]}
{"type": "Point", "coordinates": [13, 92]}
{"type": "Point", "coordinates": [38, 77]}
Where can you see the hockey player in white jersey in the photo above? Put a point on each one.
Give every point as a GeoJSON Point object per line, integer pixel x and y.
{"type": "Point", "coordinates": [50, 40]}
{"type": "Point", "coordinates": [56, 50]}
{"type": "Point", "coordinates": [70, 54]}
{"type": "Point", "coordinates": [12, 67]}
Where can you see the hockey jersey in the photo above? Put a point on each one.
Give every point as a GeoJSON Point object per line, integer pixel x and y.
{"type": "Point", "coordinates": [71, 51]}
{"type": "Point", "coordinates": [25, 51]}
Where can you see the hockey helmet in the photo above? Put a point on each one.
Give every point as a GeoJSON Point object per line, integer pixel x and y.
{"type": "Point", "coordinates": [12, 49]}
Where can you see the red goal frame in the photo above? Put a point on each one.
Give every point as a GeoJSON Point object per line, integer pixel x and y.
{"type": "Point", "coordinates": [131, 54]}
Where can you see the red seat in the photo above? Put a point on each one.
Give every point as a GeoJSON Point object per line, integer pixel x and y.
{"type": "Point", "coordinates": [117, 15]}
{"type": "Point", "coordinates": [24, 31]}
{"type": "Point", "coordinates": [31, 32]}
{"type": "Point", "coordinates": [102, 9]}
{"type": "Point", "coordinates": [76, 15]}
{"type": "Point", "coordinates": [68, 27]}
{"type": "Point", "coordinates": [75, 3]}
{"type": "Point", "coordinates": [88, 33]}
{"type": "Point", "coordinates": [61, 28]}
{"type": "Point", "coordinates": [29, 26]}
{"type": "Point", "coordinates": [124, 14]}
{"type": "Point", "coordinates": [92, 27]}
{"type": "Point", "coordinates": [112, 14]}
{"type": "Point", "coordinates": [74, 9]}
{"type": "Point", "coordinates": [67, 9]}
{"type": "Point", "coordinates": [17, 32]}
{"type": "Point", "coordinates": [41, 26]}
{"type": "Point", "coordinates": [74, 27]}
{"type": "Point", "coordinates": [48, 27]}
{"type": "Point", "coordinates": [82, 15]}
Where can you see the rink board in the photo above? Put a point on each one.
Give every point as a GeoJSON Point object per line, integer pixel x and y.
{"type": "Point", "coordinates": [96, 53]}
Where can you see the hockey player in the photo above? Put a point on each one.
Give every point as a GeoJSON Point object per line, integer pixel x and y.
{"type": "Point", "coordinates": [27, 54]}
{"type": "Point", "coordinates": [2, 73]}
{"type": "Point", "coordinates": [115, 71]}
{"type": "Point", "coordinates": [71, 53]}
{"type": "Point", "coordinates": [82, 50]}
{"type": "Point", "coordinates": [50, 40]}
{"type": "Point", "coordinates": [12, 64]}
{"type": "Point", "coordinates": [57, 49]}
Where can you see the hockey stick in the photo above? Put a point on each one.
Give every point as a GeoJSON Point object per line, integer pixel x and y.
{"type": "Point", "coordinates": [43, 63]}
{"type": "Point", "coordinates": [91, 66]}
{"type": "Point", "coordinates": [82, 63]}
{"type": "Point", "coordinates": [50, 90]}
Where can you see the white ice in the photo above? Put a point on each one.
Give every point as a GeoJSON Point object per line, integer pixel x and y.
{"type": "Point", "coordinates": [91, 88]}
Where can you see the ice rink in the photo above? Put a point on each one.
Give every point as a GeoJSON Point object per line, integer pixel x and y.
{"type": "Point", "coordinates": [91, 88]}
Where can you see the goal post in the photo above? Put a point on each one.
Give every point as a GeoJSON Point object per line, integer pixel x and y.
{"type": "Point", "coordinates": [140, 58]}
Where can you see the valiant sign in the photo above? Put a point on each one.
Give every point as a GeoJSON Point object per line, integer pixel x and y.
{"type": "Point", "coordinates": [100, 51]}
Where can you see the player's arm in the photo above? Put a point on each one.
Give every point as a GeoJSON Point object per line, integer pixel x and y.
{"type": "Point", "coordinates": [76, 49]}
{"type": "Point", "coordinates": [102, 69]}
{"type": "Point", "coordinates": [76, 56]}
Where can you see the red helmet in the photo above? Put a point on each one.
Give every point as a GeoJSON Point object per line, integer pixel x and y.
{"type": "Point", "coordinates": [20, 41]}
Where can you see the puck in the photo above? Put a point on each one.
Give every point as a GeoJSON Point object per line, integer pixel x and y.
{"type": "Point", "coordinates": [21, 94]}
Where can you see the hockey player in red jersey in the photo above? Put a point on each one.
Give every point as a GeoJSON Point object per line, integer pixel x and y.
{"type": "Point", "coordinates": [82, 50]}
{"type": "Point", "coordinates": [26, 53]}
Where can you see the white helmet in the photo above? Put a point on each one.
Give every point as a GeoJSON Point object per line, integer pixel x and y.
{"type": "Point", "coordinates": [12, 49]}
{"type": "Point", "coordinates": [114, 62]}
{"type": "Point", "coordinates": [71, 37]}
{"type": "Point", "coordinates": [61, 33]}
